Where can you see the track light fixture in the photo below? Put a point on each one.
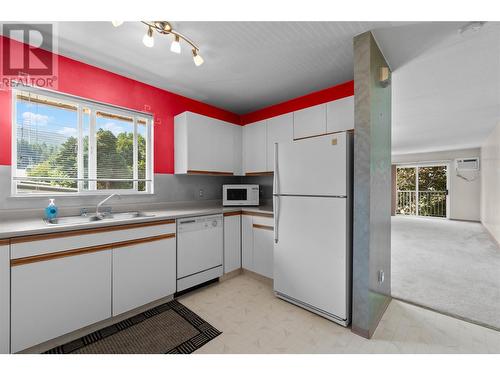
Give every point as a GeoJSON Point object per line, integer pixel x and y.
{"type": "Point", "coordinates": [164, 27]}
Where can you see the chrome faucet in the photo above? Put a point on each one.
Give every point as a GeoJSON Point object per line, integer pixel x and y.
{"type": "Point", "coordinates": [97, 214]}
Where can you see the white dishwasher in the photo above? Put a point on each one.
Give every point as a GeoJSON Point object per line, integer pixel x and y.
{"type": "Point", "coordinates": [199, 250]}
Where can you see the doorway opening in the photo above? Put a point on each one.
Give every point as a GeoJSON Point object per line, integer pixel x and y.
{"type": "Point", "coordinates": [422, 190]}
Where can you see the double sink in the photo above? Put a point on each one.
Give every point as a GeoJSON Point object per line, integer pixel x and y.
{"type": "Point", "coordinates": [68, 220]}
{"type": "Point", "coordinates": [107, 216]}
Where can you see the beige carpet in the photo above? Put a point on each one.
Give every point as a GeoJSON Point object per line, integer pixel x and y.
{"type": "Point", "coordinates": [449, 266]}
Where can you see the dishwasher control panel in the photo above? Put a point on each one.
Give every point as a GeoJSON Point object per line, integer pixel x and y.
{"type": "Point", "coordinates": [199, 223]}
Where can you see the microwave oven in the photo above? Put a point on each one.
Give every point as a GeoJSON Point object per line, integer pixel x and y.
{"type": "Point", "coordinates": [240, 195]}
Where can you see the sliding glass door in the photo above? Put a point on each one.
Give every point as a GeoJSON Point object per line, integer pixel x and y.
{"type": "Point", "coordinates": [422, 190]}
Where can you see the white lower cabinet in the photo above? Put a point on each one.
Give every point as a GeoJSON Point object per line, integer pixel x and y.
{"type": "Point", "coordinates": [263, 250]}
{"type": "Point", "coordinates": [232, 243]}
{"type": "Point", "coordinates": [247, 242]}
{"type": "Point", "coordinates": [143, 273]}
{"type": "Point", "coordinates": [279, 130]}
{"type": "Point", "coordinates": [257, 244]}
{"type": "Point", "coordinates": [53, 297]}
{"type": "Point", "coordinates": [4, 298]}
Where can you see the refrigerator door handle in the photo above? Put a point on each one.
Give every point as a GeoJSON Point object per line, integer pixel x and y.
{"type": "Point", "coordinates": [276, 192]}
{"type": "Point", "coordinates": [276, 217]}
{"type": "Point", "coordinates": [276, 182]}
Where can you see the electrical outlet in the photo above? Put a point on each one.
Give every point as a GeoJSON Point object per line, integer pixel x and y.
{"type": "Point", "coordinates": [381, 276]}
{"type": "Point", "coordinates": [200, 194]}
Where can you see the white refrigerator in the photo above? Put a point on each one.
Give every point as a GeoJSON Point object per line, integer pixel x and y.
{"type": "Point", "coordinates": [312, 197]}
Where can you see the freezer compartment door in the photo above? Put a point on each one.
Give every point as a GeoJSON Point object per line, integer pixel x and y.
{"type": "Point", "coordinates": [310, 255]}
{"type": "Point", "coordinates": [313, 166]}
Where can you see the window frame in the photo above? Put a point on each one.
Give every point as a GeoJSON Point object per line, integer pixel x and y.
{"type": "Point", "coordinates": [94, 107]}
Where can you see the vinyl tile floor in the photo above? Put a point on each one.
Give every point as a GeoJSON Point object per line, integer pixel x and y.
{"type": "Point", "coordinates": [253, 320]}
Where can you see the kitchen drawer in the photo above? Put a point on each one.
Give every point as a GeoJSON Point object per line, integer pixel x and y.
{"type": "Point", "coordinates": [61, 241]}
{"type": "Point", "coordinates": [260, 220]}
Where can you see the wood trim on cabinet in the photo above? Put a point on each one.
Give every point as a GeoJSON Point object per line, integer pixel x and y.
{"type": "Point", "coordinates": [322, 135]}
{"type": "Point", "coordinates": [85, 250]}
{"type": "Point", "coordinates": [251, 213]}
{"type": "Point", "coordinates": [79, 232]}
{"type": "Point", "coordinates": [211, 173]}
{"type": "Point", "coordinates": [4, 242]}
{"type": "Point", "coordinates": [259, 174]}
{"type": "Point", "coordinates": [233, 213]}
{"type": "Point", "coordinates": [260, 226]}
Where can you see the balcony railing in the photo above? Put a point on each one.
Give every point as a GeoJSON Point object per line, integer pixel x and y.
{"type": "Point", "coordinates": [429, 203]}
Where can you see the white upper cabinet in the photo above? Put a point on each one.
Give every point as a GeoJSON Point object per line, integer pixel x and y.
{"type": "Point", "coordinates": [279, 130]}
{"type": "Point", "coordinates": [203, 144]}
{"type": "Point", "coordinates": [238, 150]}
{"type": "Point", "coordinates": [309, 122]}
{"type": "Point", "coordinates": [254, 147]}
{"type": "Point", "coordinates": [340, 115]}
{"type": "Point", "coordinates": [207, 145]}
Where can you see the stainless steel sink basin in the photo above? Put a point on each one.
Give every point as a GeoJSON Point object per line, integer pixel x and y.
{"type": "Point", "coordinates": [69, 220]}
{"type": "Point", "coordinates": [125, 215]}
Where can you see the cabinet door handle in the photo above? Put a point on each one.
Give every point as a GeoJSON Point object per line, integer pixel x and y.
{"type": "Point", "coordinates": [260, 226]}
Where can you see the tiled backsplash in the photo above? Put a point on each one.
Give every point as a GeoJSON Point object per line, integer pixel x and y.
{"type": "Point", "coordinates": [168, 189]}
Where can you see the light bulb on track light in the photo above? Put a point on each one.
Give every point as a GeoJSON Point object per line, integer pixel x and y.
{"type": "Point", "coordinates": [117, 23]}
{"type": "Point", "coordinates": [198, 60]}
{"type": "Point", "coordinates": [175, 47]}
{"type": "Point", "coordinates": [148, 39]}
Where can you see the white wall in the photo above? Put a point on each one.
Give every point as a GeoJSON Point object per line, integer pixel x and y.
{"type": "Point", "coordinates": [490, 182]}
{"type": "Point", "coordinates": [465, 197]}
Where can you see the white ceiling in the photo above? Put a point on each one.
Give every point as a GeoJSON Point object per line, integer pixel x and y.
{"type": "Point", "coordinates": [248, 65]}
{"type": "Point", "coordinates": [445, 86]}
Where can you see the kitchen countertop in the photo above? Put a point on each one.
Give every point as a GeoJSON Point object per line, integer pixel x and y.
{"type": "Point", "coordinates": [25, 227]}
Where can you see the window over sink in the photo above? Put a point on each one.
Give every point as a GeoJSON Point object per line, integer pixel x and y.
{"type": "Point", "coordinates": [63, 144]}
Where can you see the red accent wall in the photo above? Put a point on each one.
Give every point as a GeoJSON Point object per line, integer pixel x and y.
{"type": "Point", "coordinates": [318, 97]}
{"type": "Point", "coordinates": [94, 83]}
{"type": "Point", "coordinates": [90, 82]}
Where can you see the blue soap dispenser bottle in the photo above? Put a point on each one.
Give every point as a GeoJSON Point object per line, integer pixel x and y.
{"type": "Point", "coordinates": [51, 210]}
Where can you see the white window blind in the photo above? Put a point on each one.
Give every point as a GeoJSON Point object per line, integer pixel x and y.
{"type": "Point", "coordinates": [70, 145]}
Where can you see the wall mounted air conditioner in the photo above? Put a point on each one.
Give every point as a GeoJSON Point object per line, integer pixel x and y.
{"type": "Point", "coordinates": [469, 164]}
